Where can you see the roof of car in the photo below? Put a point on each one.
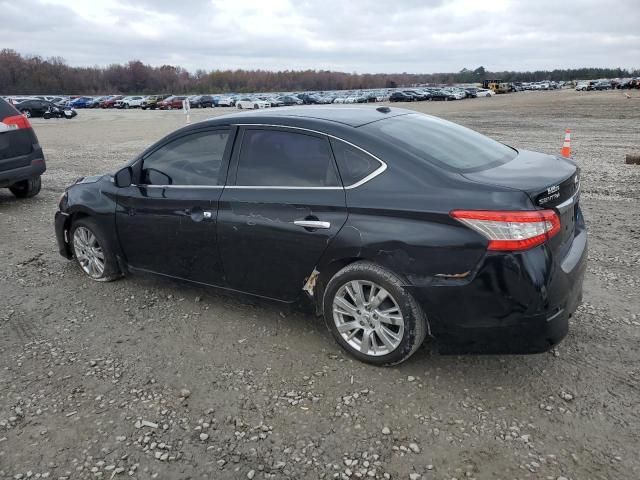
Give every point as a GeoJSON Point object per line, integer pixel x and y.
{"type": "Point", "coordinates": [352, 115]}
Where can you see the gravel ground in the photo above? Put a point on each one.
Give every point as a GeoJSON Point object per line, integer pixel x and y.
{"type": "Point", "coordinates": [149, 378]}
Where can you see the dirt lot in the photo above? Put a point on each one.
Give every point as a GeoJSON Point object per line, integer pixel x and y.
{"type": "Point", "coordinates": [147, 378]}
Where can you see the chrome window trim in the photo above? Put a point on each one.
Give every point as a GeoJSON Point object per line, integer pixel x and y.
{"type": "Point", "coordinates": [371, 176]}
{"type": "Point", "coordinates": [177, 186]}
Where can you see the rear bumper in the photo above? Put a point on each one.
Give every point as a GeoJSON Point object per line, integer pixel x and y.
{"type": "Point", "coordinates": [514, 303]}
{"type": "Point", "coordinates": [36, 167]}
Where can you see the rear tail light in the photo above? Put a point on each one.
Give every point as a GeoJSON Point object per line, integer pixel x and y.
{"type": "Point", "coordinates": [17, 122]}
{"type": "Point", "coordinates": [511, 230]}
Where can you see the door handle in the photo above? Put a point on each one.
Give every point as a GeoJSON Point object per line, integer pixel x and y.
{"type": "Point", "coordinates": [312, 224]}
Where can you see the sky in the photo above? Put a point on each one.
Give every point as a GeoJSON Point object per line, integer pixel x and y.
{"type": "Point", "coordinates": [364, 36]}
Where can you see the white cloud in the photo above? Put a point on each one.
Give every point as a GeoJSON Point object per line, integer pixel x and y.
{"type": "Point", "coordinates": [358, 35]}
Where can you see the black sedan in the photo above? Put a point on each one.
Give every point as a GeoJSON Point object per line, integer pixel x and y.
{"type": "Point", "coordinates": [35, 108]}
{"type": "Point", "coordinates": [201, 101]}
{"type": "Point", "coordinates": [394, 224]}
{"type": "Point", "coordinates": [401, 97]}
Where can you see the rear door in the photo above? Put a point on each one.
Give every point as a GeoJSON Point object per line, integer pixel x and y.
{"type": "Point", "coordinates": [167, 221]}
{"type": "Point", "coordinates": [283, 205]}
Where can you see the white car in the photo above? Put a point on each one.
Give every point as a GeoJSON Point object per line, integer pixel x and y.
{"type": "Point", "coordinates": [582, 86]}
{"type": "Point", "coordinates": [17, 100]}
{"type": "Point", "coordinates": [457, 94]}
{"type": "Point", "coordinates": [226, 101]}
{"type": "Point", "coordinates": [484, 92]}
{"type": "Point", "coordinates": [130, 102]}
{"type": "Point", "coordinates": [246, 102]}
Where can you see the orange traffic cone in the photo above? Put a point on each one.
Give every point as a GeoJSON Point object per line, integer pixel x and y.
{"type": "Point", "coordinates": [566, 146]}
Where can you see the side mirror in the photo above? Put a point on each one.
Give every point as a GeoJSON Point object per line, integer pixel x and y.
{"type": "Point", "coordinates": [123, 177]}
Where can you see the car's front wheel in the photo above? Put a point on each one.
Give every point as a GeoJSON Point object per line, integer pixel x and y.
{"type": "Point", "coordinates": [92, 251]}
{"type": "Point", "coordinates": [372, 316]}
{"type": "Point", "coordinates": [27, 188]}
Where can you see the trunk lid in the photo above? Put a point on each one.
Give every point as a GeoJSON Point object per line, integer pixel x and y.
{"type": "Point", "coordinates": [549, 181]}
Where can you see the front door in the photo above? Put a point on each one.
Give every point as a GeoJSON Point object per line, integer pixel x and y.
{"type": "Point", "coordinates": [281, 209]}
{"type": "Point", "coordinates": [167, 221]}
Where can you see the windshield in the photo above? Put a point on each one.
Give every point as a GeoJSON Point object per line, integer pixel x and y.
{"type": "Point", "coordinates": [444, 143]}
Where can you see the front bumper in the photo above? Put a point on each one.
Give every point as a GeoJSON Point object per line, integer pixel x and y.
{"type": "Point", "coordinates": [61, 223]}
{"type": "Point", "coordinates": [514, 303]}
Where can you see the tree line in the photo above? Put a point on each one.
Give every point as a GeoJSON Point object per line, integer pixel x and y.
{"type": "Point", "coordinates": [25, 74]}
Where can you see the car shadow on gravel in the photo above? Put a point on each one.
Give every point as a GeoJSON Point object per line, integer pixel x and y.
{"type": "Point", "coordinates": [303, 335]}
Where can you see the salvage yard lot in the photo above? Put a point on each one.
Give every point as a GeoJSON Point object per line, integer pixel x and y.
{"type": "Point", "coordinates": [149, 378]}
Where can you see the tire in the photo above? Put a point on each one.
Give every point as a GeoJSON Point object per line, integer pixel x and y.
{"type": "Point", "coordinates": [255, 106]}
{"type": "Point", "coordinates": [90, 240]}
{"type": "Point", "coordinates": [46, 115]}
{"type": "Point", "coordinates": [403, 338]}
{"type": "Point", "coordinates": [26, 113]}
{"type": "Point", "coordinates": [27, 188]}
{"type": "Point", "coordinates": [240, 107]}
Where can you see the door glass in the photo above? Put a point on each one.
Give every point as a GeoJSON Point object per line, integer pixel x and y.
{"type": "Point", "coordinates": [190, 160]}
{"type": "Point", "coordinates": [285, 159]}
{"type": "Point", "coordinates": [353, 163]}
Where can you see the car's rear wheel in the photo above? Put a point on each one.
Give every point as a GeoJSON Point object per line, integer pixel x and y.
{"type": "Point", "coordinates": [26, 188]}
{"type": "Point", "coordinates": [26, 113]}
{"type": "Point", "coordinates": [372, 316]}
{"type": "Point", "coordinates": [92, 251]}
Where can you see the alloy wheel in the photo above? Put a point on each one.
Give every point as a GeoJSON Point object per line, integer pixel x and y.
{"type": "Point", "coordinates": [368, 318]}
{"type": "Point", "coordinates": [88, 252]}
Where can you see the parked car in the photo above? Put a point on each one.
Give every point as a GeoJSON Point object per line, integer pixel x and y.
{"type": "Point", "coordinates": [248, 102]}
{"type": "Point", "coordinates": [110, 101]}
{"type": "Point", "coordinates": [151, 102]}
{"type": "Point", "coordinates": [425, 227]}
{"type": "Point", "coordinates": [21, 158]}
{"type": "Point", "coordinates": [227, 101]}
{"type": "Point", "coordinates": [94, 102]}
{"type": "Point", "coordinates": [130, 102]}
{"type": "Point", "coordinates": [602, 85]}
{"type": "Point", "coordinates": [81, 102]}
{"type": "Point", "coordinates": [17, 100]}
{"type": "Point", "coordinates": [484, 92]}
{"type": "Point", "coordinates": [455, 94]}
{"type": "Point", "coordinates": [442, 95]}
{"type": "Point", "coordinates": [309, 99]}
{"type": "Point", "coordinates": [419, 96]}
{"type": "Point", "coordinates": [171, 103]}
{"type": "Point", "coordinates": [289, 100]}
{"type": "Point", "coordinates": [401, 97]}
{"type": "Point", "coordinates": [34, 108]}
{"type": "Point", "coordinates": [201, 101]}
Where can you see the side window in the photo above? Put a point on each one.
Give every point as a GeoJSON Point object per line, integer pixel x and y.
{"type": "Point", "coordinates": [190, 160]}
{"type": "Point", "coordinates": [353, 163]}
{"type": "Point", "coordinates": [286, 159]}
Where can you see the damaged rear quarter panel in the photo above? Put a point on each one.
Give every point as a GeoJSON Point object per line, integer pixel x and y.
{"type": "Point", "coordinates": [416, 249]}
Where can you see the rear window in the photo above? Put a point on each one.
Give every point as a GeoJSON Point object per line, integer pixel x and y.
{"type": "Point", "coordinates": [444, 143]}
{"type": "Point", "coordinates": [6, 110]}
{"type": "Point", "coordinates": [354, 164]}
